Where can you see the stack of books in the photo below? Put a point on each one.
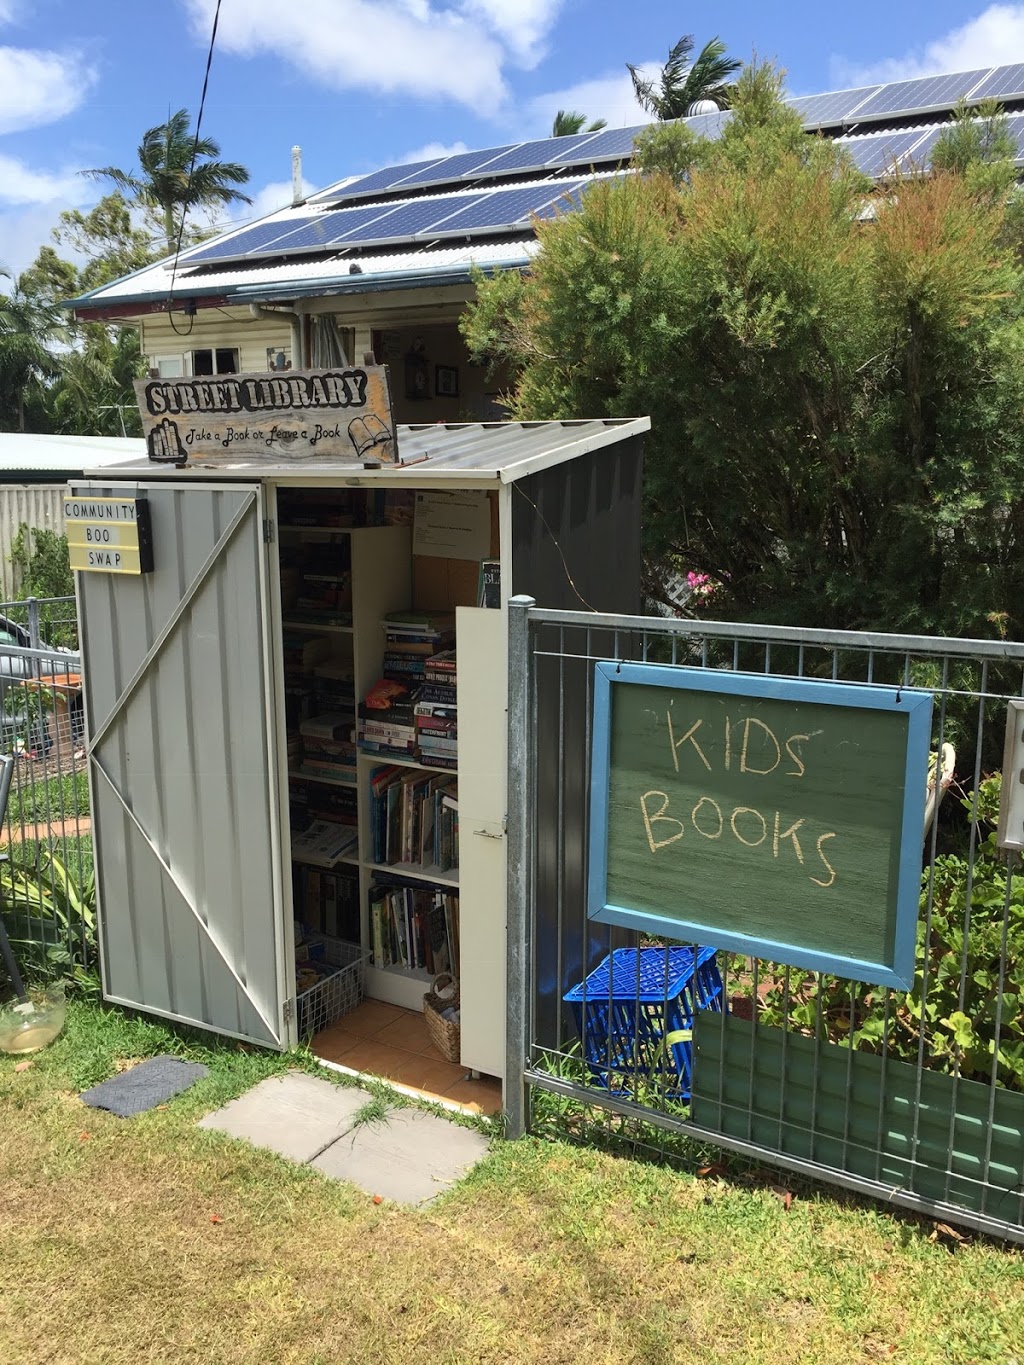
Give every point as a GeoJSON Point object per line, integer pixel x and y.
{"type": "Point", "coordinates": [328, 749]}
{"type": "Point", "coordinates": [325, 843]}
{"type": "Point", "coordinates": [437, 713]}
{"type": "Point", "coordinates": [387, 722]}
{"type": "Point", "coordinates": [333, 687]}
{"type": "Point", "coordinates": [410, 638]}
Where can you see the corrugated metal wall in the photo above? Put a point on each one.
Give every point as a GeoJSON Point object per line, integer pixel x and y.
{"type": "Point", "coordinates": [176, 692]}
{"type": "Point", "coordinates": [575, 545]}
{"type": "Point", "coordinates": [36, 504]}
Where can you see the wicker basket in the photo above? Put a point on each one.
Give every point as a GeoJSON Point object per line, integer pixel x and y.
{"type": "Point", "coordinates": [445, 1034]}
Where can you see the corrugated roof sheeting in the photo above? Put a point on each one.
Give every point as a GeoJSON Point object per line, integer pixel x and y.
{"type": "Point", "coordinates": [28, 453]}
{"type": "Point", "coordinates": [478, 451]}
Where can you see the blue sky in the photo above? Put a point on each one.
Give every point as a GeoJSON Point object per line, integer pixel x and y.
{"type": "Point", "coordinates": [363, 83]}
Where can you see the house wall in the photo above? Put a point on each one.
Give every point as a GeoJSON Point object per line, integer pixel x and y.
{"type": "Point", "coordinates": [390, 323]}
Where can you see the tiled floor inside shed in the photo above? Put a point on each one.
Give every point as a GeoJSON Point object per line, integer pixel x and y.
{"type": "Point", "coordinates": [393, 1043]}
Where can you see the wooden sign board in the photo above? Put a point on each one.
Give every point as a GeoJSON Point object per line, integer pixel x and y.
{"type": "Point", "coordinates": [339, 414]}
{"type": "Point", "coordinates": [109, 535]}
{"type": "Point", "coordinates": [780, 818]}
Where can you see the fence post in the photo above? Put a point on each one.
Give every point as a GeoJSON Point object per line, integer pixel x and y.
{"type": "Point", "coordinates": [521, 782]}
{"type": "Point", "coordinates": [33, 622]}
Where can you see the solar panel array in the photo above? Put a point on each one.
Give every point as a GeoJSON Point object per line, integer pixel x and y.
{"type": "Point", "coordinates": [468, 197]}
{"type": "Point", "coordinates": [493, 210]}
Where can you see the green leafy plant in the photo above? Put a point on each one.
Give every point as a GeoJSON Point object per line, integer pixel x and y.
{"type": "Point", "coordinates": [51, 909]}
{"type": "Point", "coordinates": [964, 1010]}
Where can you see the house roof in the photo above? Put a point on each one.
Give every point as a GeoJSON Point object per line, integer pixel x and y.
{"type": "Point", "coordinates": [434, 222]}
{"type": "Point", "coordinates": [464, 454]}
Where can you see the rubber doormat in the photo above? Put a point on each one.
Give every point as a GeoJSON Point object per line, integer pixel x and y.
{"type": "Point", "coordinates": [144, 1086]}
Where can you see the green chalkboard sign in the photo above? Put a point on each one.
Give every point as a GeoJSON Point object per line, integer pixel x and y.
{"type": "Point", "coordinates": [777, 817]}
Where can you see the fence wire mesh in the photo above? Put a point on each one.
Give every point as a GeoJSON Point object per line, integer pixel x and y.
{"type": "Point", "coordinates": [46, 876]}
{"type": "Point", "coordinates": [916, 1095]}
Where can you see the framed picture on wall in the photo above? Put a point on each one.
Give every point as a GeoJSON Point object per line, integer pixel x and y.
{"type": "Point", "coordinates": [446, 381]}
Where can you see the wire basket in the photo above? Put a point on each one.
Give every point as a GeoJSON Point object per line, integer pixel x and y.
{"type": "Point", "coordinates": [336, 994]}
{"type": "Point", "coordinates": [445, 1034]}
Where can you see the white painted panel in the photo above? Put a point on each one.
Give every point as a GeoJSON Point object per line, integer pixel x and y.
{"type": "Point", "coordinates": [483, 672]}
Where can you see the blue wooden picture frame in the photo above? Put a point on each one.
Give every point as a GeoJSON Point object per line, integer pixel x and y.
{"type": "Point", "coordinates": [898, 969]}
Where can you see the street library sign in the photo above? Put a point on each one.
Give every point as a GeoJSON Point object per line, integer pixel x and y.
{"type": "Point", "coordinates": [109, 535]}
{"type": "Point", "coordinates": [336, 414]}
{"type": "Point", "coordinates": [778, 818]}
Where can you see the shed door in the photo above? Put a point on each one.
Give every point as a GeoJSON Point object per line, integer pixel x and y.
{"type": "Point", "coordinates": [177, 687]}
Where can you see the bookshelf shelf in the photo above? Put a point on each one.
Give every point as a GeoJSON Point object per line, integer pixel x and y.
{"type": "Point", "coordinates": [314, 532]}
{"type": "Point", "coordinates": [300, 776]}
{"type": "Point", "coordinates": [417, 872]}
{"type": "Point", "coordinates": [292, 624]}
{"type": "Point", "coordinates": [385, 761]}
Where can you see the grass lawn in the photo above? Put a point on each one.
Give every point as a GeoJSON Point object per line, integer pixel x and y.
{"type": "Point", "coordinates": [149, 1240]}
{"type": "Point", "coordinates": [36, 801]}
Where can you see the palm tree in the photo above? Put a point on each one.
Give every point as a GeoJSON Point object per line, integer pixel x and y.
{"type": "Point", "coordinates": [568, 121]}
{"type": "Point", "coordinates": [683, 82]}
{"type": "Point", "coordinates": [177, 172]}
{"type": "Point", "coordinates": [26, 360]}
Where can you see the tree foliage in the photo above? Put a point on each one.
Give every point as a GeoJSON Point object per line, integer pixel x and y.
{"type": "Point", "coordinates": [177, 172]}
{"type": "Point", "coordinates": [569, 121]}
{"type": "Point", "coordinates": [684, 79]}
{"type": "Point", "coordinates": [835, 378]}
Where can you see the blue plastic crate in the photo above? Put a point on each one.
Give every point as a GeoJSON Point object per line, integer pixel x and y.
{"type": "Point", "coordinates": [635, 1014]}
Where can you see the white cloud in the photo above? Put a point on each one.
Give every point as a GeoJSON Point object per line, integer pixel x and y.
{"type": "Point", "coordinates": [274, 196]}
{"type": "Point", "coordinates": [39, 87]}
{"type": "Point", "coordinates": [522, 25]}
{"type": "Point", "coordinates": [411, 47]}
{"type": "Point", "coordinates": [432, 151]}
{"type": "Point", "coordinates": [994, 38]}
{"type": "Point", "coordinates": [23, 231]}
{"type": "Point", "coordinates": [609, 97]}
{"type": "Point", "coordinates": [19, 184]}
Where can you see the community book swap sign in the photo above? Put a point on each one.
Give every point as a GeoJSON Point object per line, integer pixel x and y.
{"type": "Point", "coordinates": [109, 535]}
{"type": "Point", "coordinates": [777, 818]}
{"type": "Point", "coordinates": [299, 415]}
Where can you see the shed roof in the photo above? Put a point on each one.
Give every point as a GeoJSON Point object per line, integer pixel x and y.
{"type": "Point", "coordinates": [465, 454]}
{"type": "Point", "coordinates": [29, 453]}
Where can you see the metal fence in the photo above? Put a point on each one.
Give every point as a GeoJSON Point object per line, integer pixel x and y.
{"type": "Point", "coordinates": [46, 885]}
{"type": "Point", "coordinates": [913, 1096]}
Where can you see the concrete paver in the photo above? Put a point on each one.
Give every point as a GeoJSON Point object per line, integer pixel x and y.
{"type": "Point", "coordinates": [409, 1156]}
{"type": "Point", "coordinates": [295, 1115]}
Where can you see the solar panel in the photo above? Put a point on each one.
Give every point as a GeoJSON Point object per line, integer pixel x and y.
{"type": "Point", "coordinates": [927, 93]}
{"type": "Point", "coordinates": [381, 180]}
{"type": "Point", "coordinates": [819, 111]}
{"type": "Point", "coordinates": [533, 155]}
{"type": "Point", "coordinates": [613, 144]}
{"type": "Point", "coordinates": [1002, 82]}
{"type": "Point", "coordinates": [455, 167]}
{"type": "Point", "coordinates": [875, 154]}
{"type": "Point", "coordinates": [505, 208]}
{"type": "Point", "coordinates": [326, 229]}
{"type": "Point", "coordinates": [1015, 127]}
{"type": "Point", "coordinates": [252, 239]}
{"type": "Point", "coordinates": [406, 220]}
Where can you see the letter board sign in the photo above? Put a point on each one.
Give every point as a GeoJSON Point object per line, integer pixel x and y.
{"type": "Point", "coordinates": [109, 535]}
{"type": "Point", "coordinates": [780, 818]}
{"type": "Point", "coordinates": [337, 414]}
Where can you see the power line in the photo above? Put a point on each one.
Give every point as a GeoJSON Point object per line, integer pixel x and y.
{"type": "Point", "coordinates": [191, 171]}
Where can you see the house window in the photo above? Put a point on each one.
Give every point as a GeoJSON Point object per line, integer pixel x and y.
{"type": "Point", "coordinates": [223, 360]}
{"type": "Point", "coordinates": [169, 366]}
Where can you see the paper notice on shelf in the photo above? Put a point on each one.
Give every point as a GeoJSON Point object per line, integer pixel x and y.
{"type": "Point", "coordinates": [452, 525]}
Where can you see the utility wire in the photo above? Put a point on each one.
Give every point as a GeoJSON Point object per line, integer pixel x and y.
{"type": "Point", "coordinates": [191, 171]}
